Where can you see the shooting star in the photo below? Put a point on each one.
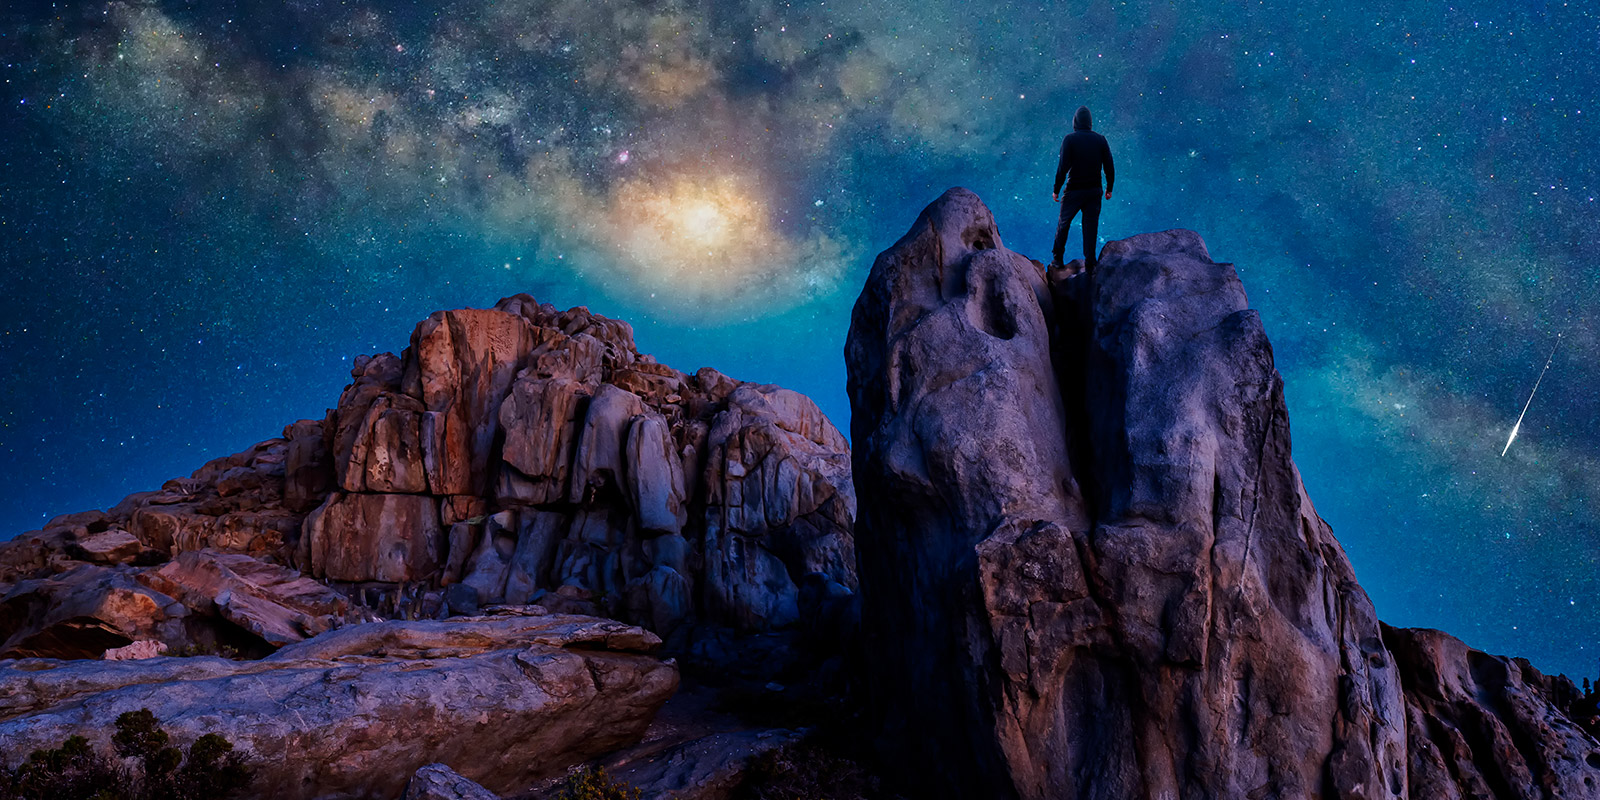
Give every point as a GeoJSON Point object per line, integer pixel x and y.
{"type": "Point", "coordinates": [1518, 426]}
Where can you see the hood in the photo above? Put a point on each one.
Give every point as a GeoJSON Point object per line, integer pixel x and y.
{"type": "Point", "coordinates": [1080, 120]}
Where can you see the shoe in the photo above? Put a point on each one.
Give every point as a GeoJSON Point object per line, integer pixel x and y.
{"type": "Point", "coordinates": [1055, 265]}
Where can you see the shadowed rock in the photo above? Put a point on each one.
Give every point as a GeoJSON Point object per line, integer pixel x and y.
{"type": "Point", "coordinates": [353, 713]}
{"type": "Point", "coordinates": [1088, 566]}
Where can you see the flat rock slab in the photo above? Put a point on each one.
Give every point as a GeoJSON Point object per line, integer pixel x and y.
{"type": "Point", "coordinates": [356, 712]}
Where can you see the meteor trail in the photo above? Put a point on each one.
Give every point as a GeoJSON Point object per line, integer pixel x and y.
{"type": "Point", "coordinates": [1518, 426]}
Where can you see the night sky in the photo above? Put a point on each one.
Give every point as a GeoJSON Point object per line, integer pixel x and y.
{"type": "Point", "coordinates": [208, 208]}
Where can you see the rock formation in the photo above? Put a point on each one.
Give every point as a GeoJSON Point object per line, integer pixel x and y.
{"type": "Point", "coordinates": [510, 455]}
{"type": "Point", "coordinates": [353, 713]}
{"type": "Point", "coordinates": [1089, 568]}
{"type": "Point", "coordinates": [1087, 565]}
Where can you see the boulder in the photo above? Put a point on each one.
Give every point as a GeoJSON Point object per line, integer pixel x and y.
{"type": "Point", "coordinates": [779, 504]}
{"type": "Point", "coordinates": [355, 712]}
{"type": "Point", "coordinates": [85, 611]}
{"type": "Point", "coordinates": [439, 782]}
{"type": "Point", "coordinates": [108, 547]}
{"type": "Point", "coordinates": [540, 419]}
{"type": "Point", "coordinates": [274, 603]}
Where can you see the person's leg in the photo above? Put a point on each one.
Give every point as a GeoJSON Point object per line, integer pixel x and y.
{"type": "Point", "coordinates": [1069, 209]}
{"type": "Point", "coordinates": [1091, 228]}
{"type": "Point", "coordinates": [1063, 225]}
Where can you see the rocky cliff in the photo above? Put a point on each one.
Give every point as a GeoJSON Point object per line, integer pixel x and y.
{"type": "Point", "coordinates": [1089, 568]}
{"type": "Point", "coordinates": [510, 455]}
{"type": "Point", "coordinates": [1084, 565]}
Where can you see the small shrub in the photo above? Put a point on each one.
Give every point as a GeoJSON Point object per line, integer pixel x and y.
{"type": "Point", "coordinates": [806, 771]}
{"type": "Point", "coordinates": [220, 651]}
{"type": "Point", "coordinates": [75, 771]}
{"type": "Point", "coordinates": [594, 784]}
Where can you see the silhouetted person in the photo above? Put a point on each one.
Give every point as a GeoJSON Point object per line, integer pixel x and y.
{"type": "Point", "coordinates": [1083, 154]}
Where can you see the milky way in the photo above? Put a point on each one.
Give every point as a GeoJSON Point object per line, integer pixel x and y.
{"type": "Point", "coordinates": [206, 209]}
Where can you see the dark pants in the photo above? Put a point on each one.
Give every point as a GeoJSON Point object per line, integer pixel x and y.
{"type": "Point", "coordinates": [1087, 201]}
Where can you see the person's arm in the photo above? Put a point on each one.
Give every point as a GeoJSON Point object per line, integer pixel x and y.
{"type": "Point", "coordinates": [1111, 171]}
{"type": "Point", "coordinates": [1061, 170]}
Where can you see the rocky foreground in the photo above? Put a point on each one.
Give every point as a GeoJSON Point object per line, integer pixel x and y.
{"type": "Point", "coordinates": [1084, 567]}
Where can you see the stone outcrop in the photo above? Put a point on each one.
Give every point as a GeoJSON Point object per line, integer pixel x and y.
{"type": "Point", "coordinates": [1488, 726]}
{"type": "Point", "coordinates": [353, 713]}
{"type": "Point", "coordinates": [511, 455]}
{"type": "Point", "coordinates": [1089, 568]}
{"type": "Point", "coordinates": [440, 782]}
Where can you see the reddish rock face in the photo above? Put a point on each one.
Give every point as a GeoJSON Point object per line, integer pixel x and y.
{"type": "Point", "coordinates": [460, 366]}
{"type": "Point", "coordinates": [374, 537]}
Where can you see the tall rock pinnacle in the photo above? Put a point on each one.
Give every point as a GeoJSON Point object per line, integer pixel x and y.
{"type": "Point", "coordinates": [1088, 566]}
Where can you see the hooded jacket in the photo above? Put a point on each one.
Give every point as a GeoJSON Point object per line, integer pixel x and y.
{"type": "Point", "coordinates": [1083, 154]}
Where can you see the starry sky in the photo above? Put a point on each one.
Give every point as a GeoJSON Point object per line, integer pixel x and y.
{"type": "Point", "coordinates": [208, 208]}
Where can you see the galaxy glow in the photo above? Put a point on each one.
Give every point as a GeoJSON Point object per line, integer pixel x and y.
{"type": "Point", "coordinates": [208, 208]}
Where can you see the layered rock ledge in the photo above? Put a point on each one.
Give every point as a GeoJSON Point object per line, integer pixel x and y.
{"type": "Point", "coordinates": [353, 713]}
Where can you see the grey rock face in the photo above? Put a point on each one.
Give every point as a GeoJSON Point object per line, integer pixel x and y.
{"type": "Point", "coordinates": [1088, 566]}
{"type": "Point", "coordinates": [439, 782]}
{"type": "Point", "coordinates": [353, 713]}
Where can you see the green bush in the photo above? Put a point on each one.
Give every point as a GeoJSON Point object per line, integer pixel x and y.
{"type": "Point", "coordinates": [594, 784]}
{"type": "Point", "coordinates": [75, 771]}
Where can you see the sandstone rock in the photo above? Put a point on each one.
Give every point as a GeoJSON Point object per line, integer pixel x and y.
{"type": "Point", "coordinates": [598, 466]}
{"type": "Point", "coordinates": [540, 419]}
{"type": "Point", "coordinates": [373, 537]}
{"type": "Point", "coordinates": [274, 603]}
{"type": "Point", "coordinates": [144, 648]}
{"type": "Point", "coordinates": [354, 713]}
{"type": "Point", "coordinates": [386, 455]}
{"type": "Point", "coordinates": [491, 562]}
{"type": "Point", "coordinates": [780, 504]}
{"type": "Point", "coordinates": [1188, 628]}
{"type": "Point", "coordinates": [84, 611]}
{"type": "Point", "coordinates": [1488, 726]}
{"type": "Point", "coordinates": [633, 489]}
{"type": "Point", "coordinates": [308, 467]}
{"type": "Point", "coordinates": [439, 782]}
{"type": "Point", "coordinates": [461, 365]}
{"type": "Point", "coordinates": [109, 547]}
{"type": "Point", "coordinates": [654, 476]}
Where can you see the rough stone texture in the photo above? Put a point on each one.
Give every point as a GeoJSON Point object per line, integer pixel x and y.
{"type": "Point", "coordinates": [708, 768]}
{"type": "Point", "coordinates": [439, 782]}
{"type": "Point", "coordinates": [144, 648]}
{"type": "Point", "coordinates": [1488, 726]}
{"type": "Point", "coordinates": [272, 602]}
{"type": "Point", "coordinates": [1088, 566]}
{"type": "Point", "coordinates": [84, 611]}
{"type": "Point", "coordinates": [355, 712]}
{"type": "Point", "coordinates": [374, 537]}
{"type": "Point", "coordinates": [533, 455]}
{"type": "Point", "coordinates": [107, 547]}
